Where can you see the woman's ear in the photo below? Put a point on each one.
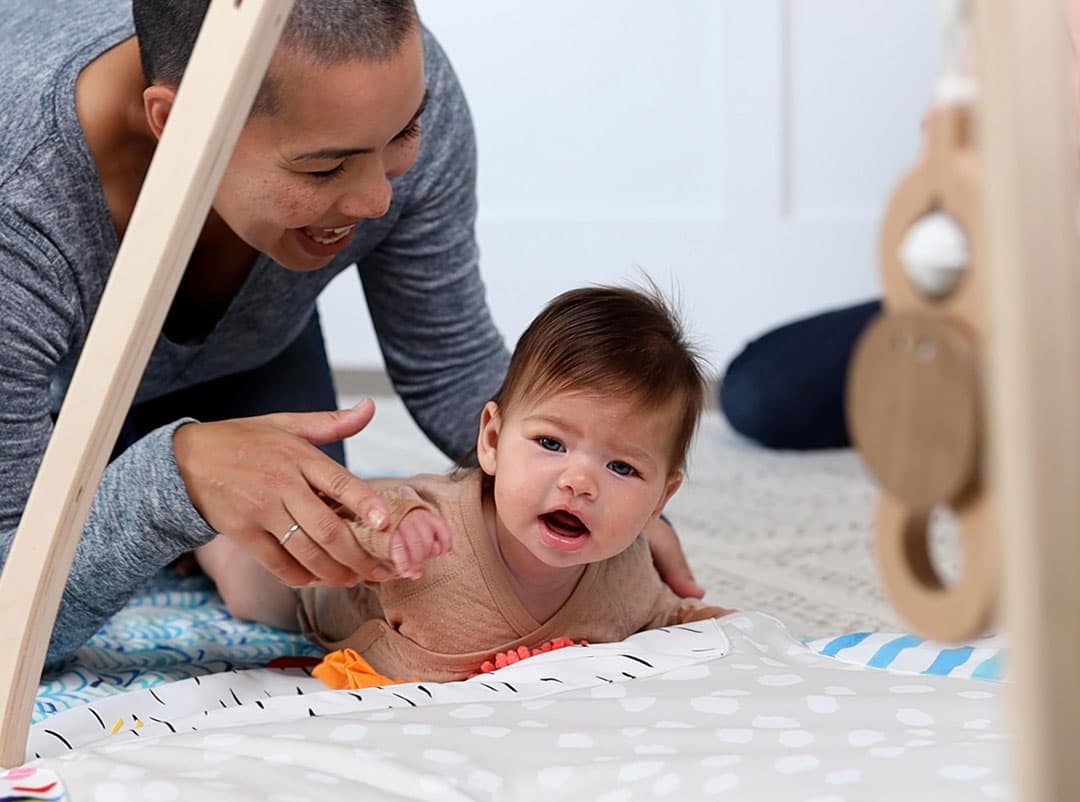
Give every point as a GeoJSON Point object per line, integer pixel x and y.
{"type": "Point", "coordinates": [487, 440]}
{"type": "Point", "coordinates": [157, 103]}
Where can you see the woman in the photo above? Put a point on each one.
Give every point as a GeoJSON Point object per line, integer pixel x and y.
{"type": "Point", "coordinates": [330, 170]}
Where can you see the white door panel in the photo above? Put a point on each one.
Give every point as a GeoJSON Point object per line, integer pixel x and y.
{"type": "Point", "coordinates": [742, 149]}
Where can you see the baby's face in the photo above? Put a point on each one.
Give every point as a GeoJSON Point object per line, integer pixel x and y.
{"type": "Point", "coordinates": [578, 476]}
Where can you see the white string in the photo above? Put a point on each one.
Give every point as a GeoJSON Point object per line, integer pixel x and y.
{"type": "Point", "coordinates": [957, 84]}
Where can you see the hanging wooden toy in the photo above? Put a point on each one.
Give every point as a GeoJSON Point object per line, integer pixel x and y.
{"type": "Point", "coordinates": [915, 396]}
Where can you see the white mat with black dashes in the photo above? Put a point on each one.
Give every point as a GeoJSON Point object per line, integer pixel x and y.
{"type": "Point", "coordinates": [733, 707]}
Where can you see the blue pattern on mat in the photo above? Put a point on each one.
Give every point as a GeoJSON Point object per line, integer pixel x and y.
{"type": "Point", "coordinates": [843, 642]}
{"type": "Point", "coordinates": [884, 656]}
{"type": "Point", "coordinates": [948, 659]}
{"type": "Point", "coordinates": [992, 668]}
{"type": "Point", "coordinates": [174, 629]}
{"type": "Point", "coordinates": [982, 658]}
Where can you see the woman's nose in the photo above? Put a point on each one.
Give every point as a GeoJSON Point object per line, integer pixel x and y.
{"type": "Point", "coordinates": [368, 198]}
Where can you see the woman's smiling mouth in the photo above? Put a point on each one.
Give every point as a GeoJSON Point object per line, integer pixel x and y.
{"type": "Point", "coordinates": [324, 242]}
{"type": "Point", "coordinates": [328, 236]}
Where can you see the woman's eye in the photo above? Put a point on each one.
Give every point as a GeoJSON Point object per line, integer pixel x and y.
{"type": "Point", "coordinates": [327, 173]}
{"type": "Point", "coordinates": [550, 444]}
{"type": "Point", "coordinates": [412, 132]}
{"type": "Point", "coordinates": [621, 468]}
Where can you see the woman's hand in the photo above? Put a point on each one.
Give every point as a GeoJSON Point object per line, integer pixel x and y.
{"type": "Point", "coordinates": [670, 560]}
{"type": "Point", "coordinates": [253, 479]}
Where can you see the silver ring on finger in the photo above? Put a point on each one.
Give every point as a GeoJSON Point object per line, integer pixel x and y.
{"type": "Point", "coordinates": [292, 530]}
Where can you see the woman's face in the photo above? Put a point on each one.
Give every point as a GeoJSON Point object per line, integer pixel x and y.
{"type": "Point", "coordinates": [304, 176]}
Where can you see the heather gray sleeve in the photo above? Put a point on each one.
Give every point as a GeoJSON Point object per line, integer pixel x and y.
{"type": "Point", "coordinates": [423, 286]}
{"type": "Point", "coordinates": [141, 518]}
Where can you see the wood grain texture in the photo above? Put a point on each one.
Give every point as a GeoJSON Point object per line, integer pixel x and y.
{"type": "Point", "coordinates": [949, 179]}
{"type": "Point", "coordinates": [1030, 156]}
{"type": "Point", "coordinates": [225, 71]}
{"type": "Point", "coordinates": [916, 398]}
{"type": "Point", "coordinates": [960, 610]}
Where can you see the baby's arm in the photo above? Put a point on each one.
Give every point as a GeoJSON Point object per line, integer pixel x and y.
{"type": "Point", "coordinates": [252, 593]}
{"type": "Point", "coordinates": [670, 610]}
{"type": "Point", "coordinates": [688, 610]}
{"type": "Point", "coordinates": [416, 533]}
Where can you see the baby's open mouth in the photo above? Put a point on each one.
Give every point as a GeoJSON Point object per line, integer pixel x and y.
{"type": "Point", "coordinates": [565, 523]}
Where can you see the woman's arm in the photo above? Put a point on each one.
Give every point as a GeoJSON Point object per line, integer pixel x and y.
{"type": "Point", "coordinates": [423, 286]}
{"type": "Point", "coordinates": [141, 518]}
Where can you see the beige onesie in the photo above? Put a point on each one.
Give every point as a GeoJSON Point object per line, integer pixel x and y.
{"type": "Point", "coordinates": [443, 625]}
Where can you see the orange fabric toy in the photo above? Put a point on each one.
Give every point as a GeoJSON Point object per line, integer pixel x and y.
{"type": "Point", "coordinates": [347, 670]}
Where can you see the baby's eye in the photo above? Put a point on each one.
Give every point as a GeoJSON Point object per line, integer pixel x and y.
{"type": "Point", "coordinates": [622, 468]}
{"type": "Point", "coordinates": [550, 444]}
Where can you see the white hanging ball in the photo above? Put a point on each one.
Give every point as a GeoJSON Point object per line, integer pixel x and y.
{"type": "Point", "coordinates": [935, 254]}
{"type": "Point", "coordinates": [957, 90]}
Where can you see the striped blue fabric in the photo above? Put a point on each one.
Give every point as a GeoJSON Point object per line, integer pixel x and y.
{"type": "Point", "coordinates": [950, 659]}
{"type": "Point", "coordinates": [991, 668]}
{"type": "Point", "coordinates": [979, 659]}
{"type": "Point", "coordinates": [887, 654]}
{"type": "Point", "coordinates": [843, 642]}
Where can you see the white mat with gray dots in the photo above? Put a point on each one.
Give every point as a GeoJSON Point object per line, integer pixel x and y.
{"type": "Point", "coordinates": [738, 708]}
{"type": "Point", "coordinates": [733, 708]}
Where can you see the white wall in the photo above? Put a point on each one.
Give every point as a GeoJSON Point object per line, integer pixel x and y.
{"type": "Point", "coordinates": [741, 149]}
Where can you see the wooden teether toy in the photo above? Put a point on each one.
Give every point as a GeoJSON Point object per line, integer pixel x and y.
{"type": "Point", "coordinates": [915, 387]}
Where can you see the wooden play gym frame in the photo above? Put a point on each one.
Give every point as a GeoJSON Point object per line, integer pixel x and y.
{"type": "Point", "coordinates": [1024, 324]}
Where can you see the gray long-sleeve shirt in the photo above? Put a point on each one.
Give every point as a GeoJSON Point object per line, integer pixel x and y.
{"type": "Point", "coordinates": [418, 265]}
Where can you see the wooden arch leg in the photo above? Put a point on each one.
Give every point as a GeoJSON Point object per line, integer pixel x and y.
{"type": "Point", "coordinates": [235, 44]}
{"type": "Point", "coordinates": [1030, 159]}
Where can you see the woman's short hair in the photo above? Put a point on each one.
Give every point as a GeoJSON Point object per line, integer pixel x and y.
{"type": "Point", "coordinates": [324, 31]}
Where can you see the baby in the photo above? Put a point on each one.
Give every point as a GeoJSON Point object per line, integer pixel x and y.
{"type": "Point", "coordinates": [582, 446]}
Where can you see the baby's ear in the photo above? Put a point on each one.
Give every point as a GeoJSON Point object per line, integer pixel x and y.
{"type": "Point", "coordinates": [487, 441]}
{"type": "Point", "coordinates": [674, 482]}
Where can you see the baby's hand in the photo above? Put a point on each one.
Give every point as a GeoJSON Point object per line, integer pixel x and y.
{"type": "Point", "coordinates": [420, 536]}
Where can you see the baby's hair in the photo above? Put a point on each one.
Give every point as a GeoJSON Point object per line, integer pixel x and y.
{"type": "Point", "coordinates": [611, 340]}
